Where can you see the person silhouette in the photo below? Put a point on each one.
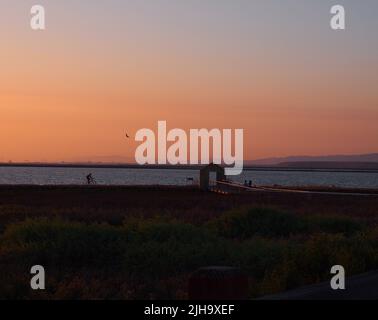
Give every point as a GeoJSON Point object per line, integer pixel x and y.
{"type": "Point", "coordinates": [89, 178]}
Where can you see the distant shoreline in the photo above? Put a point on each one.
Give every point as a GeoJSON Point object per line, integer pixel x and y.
{"type": "Point", "coordinates": [179, 167]}
{"type": "Point", "coordinates": [274, 189]}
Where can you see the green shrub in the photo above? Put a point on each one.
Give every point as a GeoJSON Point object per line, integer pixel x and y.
{"type": "Point", "coordinates": [56, 242]}
{"type": "Point", "coordinates": [273, 223]}
{"type": "Point", "coordinates": [258, 222]}
{"type": "Point", "coordinates": [257, 255]}
{"type": "Point", "coordinates": [154, 257]}
{"type": "Point", "coordinates": [334, 224]}
{"type": "Point", "coordinates": [173, 247]}
{"type": "Point", "coordinates": [150, 248]}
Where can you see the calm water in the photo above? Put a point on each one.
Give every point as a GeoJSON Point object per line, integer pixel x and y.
{"type": "Point", "coordinates": [61, 176]}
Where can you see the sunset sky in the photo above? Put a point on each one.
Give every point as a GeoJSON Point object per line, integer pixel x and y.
{"type": "Point", "coordinates": [272, 67]}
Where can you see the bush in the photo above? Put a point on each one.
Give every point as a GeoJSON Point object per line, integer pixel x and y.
{"type": "Point", "coordinates": [59, 243]}
{"type": "Point", "coordinates": [166, 248]}
{"type": "Point", "coordinates": [333, 224]}
{"type": "Point", "coordinates": [256, 256]}
{"type": "Point", "coordinates": [151, 248]}
{"type": "Point", "coordinates": [258, 222]}
{"type": "Point", "coordinates": [153, 258]}
{"type": "Point", "coordinates": [279, 224]}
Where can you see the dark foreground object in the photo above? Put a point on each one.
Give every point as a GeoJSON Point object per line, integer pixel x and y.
{"type": "Point", "coordinates": [218, 283]}
{"type": "Point", "coordinates": [361, 287]}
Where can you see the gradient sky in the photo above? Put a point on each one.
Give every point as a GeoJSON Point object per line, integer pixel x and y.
{"type": "Point", "coordinates": [272, 67]}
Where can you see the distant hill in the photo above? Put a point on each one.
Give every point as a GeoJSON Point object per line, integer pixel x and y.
{"type": "Point", "coordinates": [356, 159]}
{"type": "Point", "coordinates": [346, 165]}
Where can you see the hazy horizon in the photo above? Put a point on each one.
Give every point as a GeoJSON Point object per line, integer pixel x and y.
{"type": "Point", "coordinates": [105, 67]}
{"type": "Point", "coordinates": [124, 160]}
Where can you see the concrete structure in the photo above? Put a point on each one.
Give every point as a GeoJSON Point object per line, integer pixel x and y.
{"type": "Point", "coordinates": [205, 175]}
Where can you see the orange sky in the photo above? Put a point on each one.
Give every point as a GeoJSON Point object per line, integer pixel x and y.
{"type": "Point", "coordinates": [70, 92]}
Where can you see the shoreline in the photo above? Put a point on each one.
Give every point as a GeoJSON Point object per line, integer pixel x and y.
{"type": "Point", "coordinates": [178, 167]}
{"type": "Point", "coordinates": [141, 187]}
